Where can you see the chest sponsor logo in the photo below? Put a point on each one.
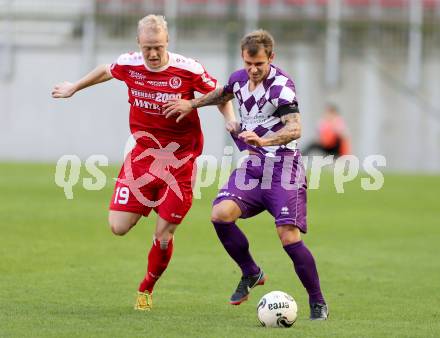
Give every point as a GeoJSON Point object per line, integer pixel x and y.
{"type": "Point", "coordinates": [158, 83]}
{"type": "Point", "coordinates": [136, 75]}
{"type": "Point", "coordinates": [253, 120]}
{"type": "Point", "coordinates": [156, 96]}
{"type": "Point", "coordinates": [175, 82]}
{"type": "Point", "coordinates": [153, 107]}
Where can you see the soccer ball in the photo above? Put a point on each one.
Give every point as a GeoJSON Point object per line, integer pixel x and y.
{"type": "Point", "coordinates": [277, 309]}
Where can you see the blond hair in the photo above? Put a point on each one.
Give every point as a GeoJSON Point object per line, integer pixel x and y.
{"type": "Point", "coordinates": [153, 22]}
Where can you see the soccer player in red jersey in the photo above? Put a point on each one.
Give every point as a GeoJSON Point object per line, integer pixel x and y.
{"type": "Point", "coordinates": [158, 172]}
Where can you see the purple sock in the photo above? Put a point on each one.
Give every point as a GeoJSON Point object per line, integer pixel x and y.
{"type": "Point", "coordinates": [305, 268]}
{"type": "Point", "coordinates": [237, 246]}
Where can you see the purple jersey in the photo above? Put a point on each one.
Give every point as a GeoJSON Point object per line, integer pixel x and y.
{"type": "Point", "coordinates": [257, 108]}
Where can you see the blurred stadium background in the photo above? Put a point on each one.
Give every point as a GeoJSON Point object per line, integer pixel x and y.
{"type": "Point", "coordinates": [64, 274]}
{"type": "Point", "coordinates": [378, 60]}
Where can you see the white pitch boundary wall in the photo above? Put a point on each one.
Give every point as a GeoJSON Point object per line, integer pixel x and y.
{"type": "Point", "coordinates": [382, 119]}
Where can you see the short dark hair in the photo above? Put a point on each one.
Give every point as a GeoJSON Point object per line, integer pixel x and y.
{"type": "Point", "coordinates": [256, 40]}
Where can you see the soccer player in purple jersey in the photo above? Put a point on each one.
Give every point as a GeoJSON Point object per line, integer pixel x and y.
{"type": "Point", "coordinates": [272, 178]}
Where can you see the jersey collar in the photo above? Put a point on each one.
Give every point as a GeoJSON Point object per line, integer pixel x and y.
{"type": "Point", "coordinates": [272, 72]}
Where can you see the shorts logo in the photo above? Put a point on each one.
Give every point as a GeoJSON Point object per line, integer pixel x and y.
{"type": "Point", "coordinates": [284, 211]}
{"type": "Point", "coordinates": [175, 82]}
{"type": "Point", "coordinates": [224, 193]}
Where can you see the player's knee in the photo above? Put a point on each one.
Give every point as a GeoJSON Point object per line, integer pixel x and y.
{"type": "Point", "coordinates": [224, 215]}
{"type": "Point", "coordinates": [165, 230]}
{"type": "Point", "coordinates": [120, 227]}
{"type": "Point", "coordinates": [288, 234]}
{"type": "Point", "coordinates": [165, 235]}
{"type": "Point", "coordinates": [117, 230]}
{"type": "Point", "coordinates": [288, 240]}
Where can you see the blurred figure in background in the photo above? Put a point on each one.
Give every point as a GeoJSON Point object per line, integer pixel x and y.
{"type": "Point", "coordinates": [333, 136]}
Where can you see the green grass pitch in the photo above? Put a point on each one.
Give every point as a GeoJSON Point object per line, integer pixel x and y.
{"type": "Point", "coordinates": [63, 274]}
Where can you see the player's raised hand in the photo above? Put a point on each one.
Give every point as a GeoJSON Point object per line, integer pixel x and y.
{"type": "Point", "coordinates": [177, 107]}
{"type": "Point", "coordinates": [63, 90]}
{"type": "Point", "coordinates": [251, 138]}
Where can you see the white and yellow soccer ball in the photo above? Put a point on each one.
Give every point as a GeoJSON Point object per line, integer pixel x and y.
{"type": "Point", "coordinates": [277, 309]}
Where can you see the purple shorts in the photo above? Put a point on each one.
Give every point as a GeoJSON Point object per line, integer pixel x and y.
{"type": "Point", "coordinates": [277, 184]}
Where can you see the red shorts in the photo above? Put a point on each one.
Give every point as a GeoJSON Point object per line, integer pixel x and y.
{"type": "Point", "coordinates": [162, 183]}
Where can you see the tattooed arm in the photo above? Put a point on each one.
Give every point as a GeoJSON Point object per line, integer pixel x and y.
{"type": "Point", "coordinates": [291, 131]}
{"type": "Point", "coordinates": [217, 96]}
{"type": "Point", "coordinates": [183, 107]}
